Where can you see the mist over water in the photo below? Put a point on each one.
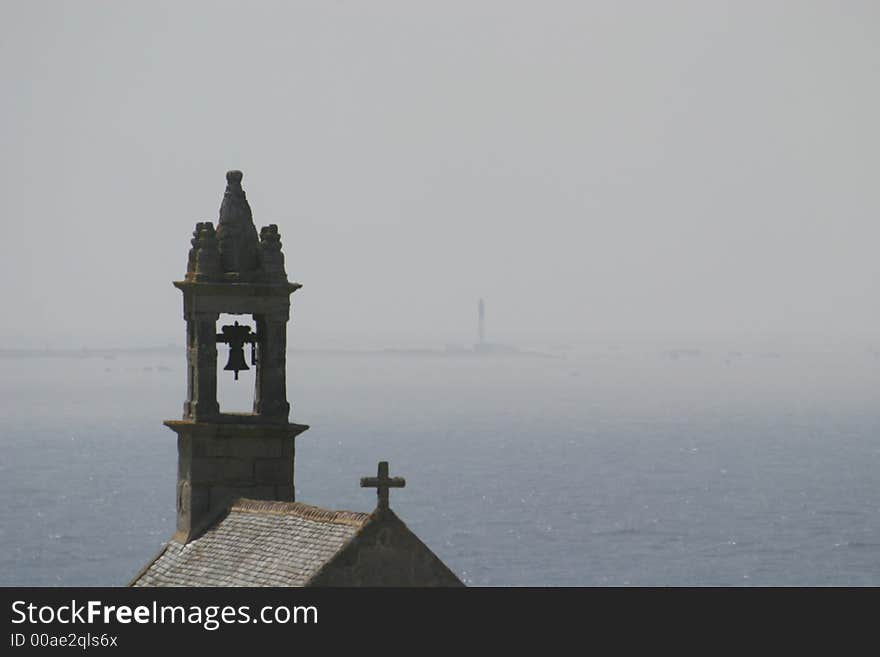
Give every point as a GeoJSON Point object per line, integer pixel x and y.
{"type": "Point", "coordinates": [588, 167]}
{"type": "Point", "coordinates": [621, 462]}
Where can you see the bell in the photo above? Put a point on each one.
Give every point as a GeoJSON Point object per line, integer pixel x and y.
{"type": "Point", "coordinates": [235, 336]}
{"type": "Point", "coordinates": [236, 361]}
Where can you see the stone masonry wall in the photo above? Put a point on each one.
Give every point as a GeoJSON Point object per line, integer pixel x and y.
{"type": "Point", "coordinates": [386, 553]}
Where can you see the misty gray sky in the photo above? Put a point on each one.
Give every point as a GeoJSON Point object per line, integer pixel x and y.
{"type": "Point", "coordinates": [584, 166]}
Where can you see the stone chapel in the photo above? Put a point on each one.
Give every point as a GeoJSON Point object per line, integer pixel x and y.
{"type": "Point", "coordinates": [238, 523]}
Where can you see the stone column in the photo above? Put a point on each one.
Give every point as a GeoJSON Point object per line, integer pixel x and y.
{"type": "Point", "coordinates": [201, 356]}
{"type": "Point", "coordinates": [270, 399]}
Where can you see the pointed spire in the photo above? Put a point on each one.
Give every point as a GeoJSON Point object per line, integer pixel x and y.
{"type": "Point", "coordinates": [235, 253]}
{"type": "Point", "coordinates": [236, 233]}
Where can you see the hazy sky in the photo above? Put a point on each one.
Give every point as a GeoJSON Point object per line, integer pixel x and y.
{"type": "Point", "coordinates": [585, 166]}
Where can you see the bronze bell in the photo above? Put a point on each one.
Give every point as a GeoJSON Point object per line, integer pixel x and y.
{"type": "Point", "coordinates": [236, 336]}
{"type": "Point", "coordinates": [236, 361]}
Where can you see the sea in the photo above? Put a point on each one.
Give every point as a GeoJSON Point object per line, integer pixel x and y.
{"type": "Point", "coordinates": [603, 461]}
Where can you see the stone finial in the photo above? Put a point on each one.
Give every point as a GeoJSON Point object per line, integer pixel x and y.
{"type": "Point", "coordinates": [191, 256]}
{"type": "Point", "coordinates": [207, 256]}
{"type": "Point", "coordinates": [236, 234]}
{"type": "Point", "coordinates": [271, 257]}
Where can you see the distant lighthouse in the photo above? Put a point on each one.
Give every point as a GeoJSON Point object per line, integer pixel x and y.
{"type": "Point", "coordinates": [481, 346]}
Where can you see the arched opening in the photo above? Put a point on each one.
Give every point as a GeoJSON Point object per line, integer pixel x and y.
{"type": "Point", "coordinates": [235, 395]}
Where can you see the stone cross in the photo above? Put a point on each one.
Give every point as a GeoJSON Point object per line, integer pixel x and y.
{"type": "Point", "coordinates": [382, 482]}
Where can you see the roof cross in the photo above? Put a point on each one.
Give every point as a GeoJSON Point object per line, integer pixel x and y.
{"type": "Point", "coordinates": [382, 482]}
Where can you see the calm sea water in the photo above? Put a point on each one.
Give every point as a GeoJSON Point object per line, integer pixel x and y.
{"type": "Point", "coordinates": [617, 463]}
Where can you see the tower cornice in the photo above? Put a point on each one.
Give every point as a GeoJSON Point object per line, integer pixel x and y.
{"type": "Point", "coordinates": [237, 289]}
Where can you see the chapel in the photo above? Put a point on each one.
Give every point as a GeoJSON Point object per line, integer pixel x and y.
{"type": "Point", "coordinates": [238, 523]}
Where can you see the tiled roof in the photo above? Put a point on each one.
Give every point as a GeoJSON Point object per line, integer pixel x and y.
{"type": "Point", "coordinates": [256, 544]}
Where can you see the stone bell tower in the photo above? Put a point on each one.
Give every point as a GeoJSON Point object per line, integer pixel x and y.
{"type": "Point", "coordinates": [222, 456]}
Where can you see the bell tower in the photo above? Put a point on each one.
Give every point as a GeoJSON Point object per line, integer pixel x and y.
{"type": "Point", "coordinates": [221, 456]}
